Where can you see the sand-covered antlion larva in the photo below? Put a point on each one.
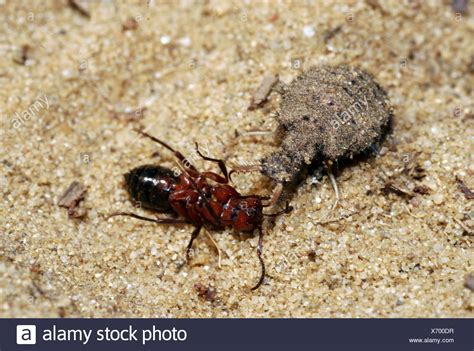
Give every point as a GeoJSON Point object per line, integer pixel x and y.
{"type": "Point", "coordinates": [327, 114]}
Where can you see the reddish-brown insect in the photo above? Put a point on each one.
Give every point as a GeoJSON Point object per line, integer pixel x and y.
{"type": "Point", "coordinates": [199, 198]}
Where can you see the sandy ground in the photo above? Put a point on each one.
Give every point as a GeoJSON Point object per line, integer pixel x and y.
{"type": "Point", "coordinates": [73, 88]}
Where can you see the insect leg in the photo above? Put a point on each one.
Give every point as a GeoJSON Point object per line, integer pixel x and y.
{"type": "Point", "coordinates": [332, 178]}
{"type": "Point", "coordinates": [221, 163]}
{"type": "Point", "coordinates": [155, 220]}
{"type": "Point", "coordinates": [190, 245]}
{"type": "Point", "coordinates": [217, 248]}
{"type": "Point", "coordinates": [275, 196]}
{"type": "Point", "coordinates": [259, 255]}
{"type": "Point", "coordinates": [215, 177]}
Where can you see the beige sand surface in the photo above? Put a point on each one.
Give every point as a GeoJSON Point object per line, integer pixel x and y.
{"type": "Point", "coordinates": [192, 67]}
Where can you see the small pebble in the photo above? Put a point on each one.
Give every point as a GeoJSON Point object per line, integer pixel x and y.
{"type": "Point", "coordinates": [308, 31]}
{"type": "Point", "coordinates": [185, 41]}
{"type": "Point", "coordinates": [438, 199]}
{"type": "Point", "coordinates": [165, 39]}
{"type": "Point", "coordinates": [469, 283]}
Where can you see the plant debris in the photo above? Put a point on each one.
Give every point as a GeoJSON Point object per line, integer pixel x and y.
{"type": "Point", "coordinates": [22, 55]}
{"type": "Point", "coordinates": [74, 5]}
{"type": "Point", "coordinates": [469, 283]}
{"type": "Point", "coordinates": [470, 66]}
{"type": "Point", "coordinates": [261, 94]}
{"type": "Point", "coordinates": [466, 229]}
{"type": "Point", "coordinates": [422, 189]}
{"type": "Point", "coordinates": [36, 268]}
{"type": "Point", "coordinates": [375, 5]}
{"type": "Point", "coordinates": [468, 193]}
{"type": "Point", "coordinates": [412, 168]}
{"type": "Point", "coordinates": [129, 116]}
{"type": "Point", "coordinates": [71, 199]}
{"type": "Point", "coordinates": [208, 293]}
{"type": "Point", "coordinates": [390, 187]}
{"type": "Point", "coordinates": [130, 24]}
{"type": "Point", "coordinates": [460, 6]}
{"type": "Point", "coordinates": [331, 33]}
{"type": "Point", "coordinates": [343, 217]}
{"type": "Point", "coordinates": [417, 172]}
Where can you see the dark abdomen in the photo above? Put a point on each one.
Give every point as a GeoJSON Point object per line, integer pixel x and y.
{"type": "Point", "coordinates": [151, 186]}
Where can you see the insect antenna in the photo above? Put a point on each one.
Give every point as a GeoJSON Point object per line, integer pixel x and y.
{"type": "Point", "coordinates": [259, 255]}
{"type": "Point", "coordinates": [177, 154]}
